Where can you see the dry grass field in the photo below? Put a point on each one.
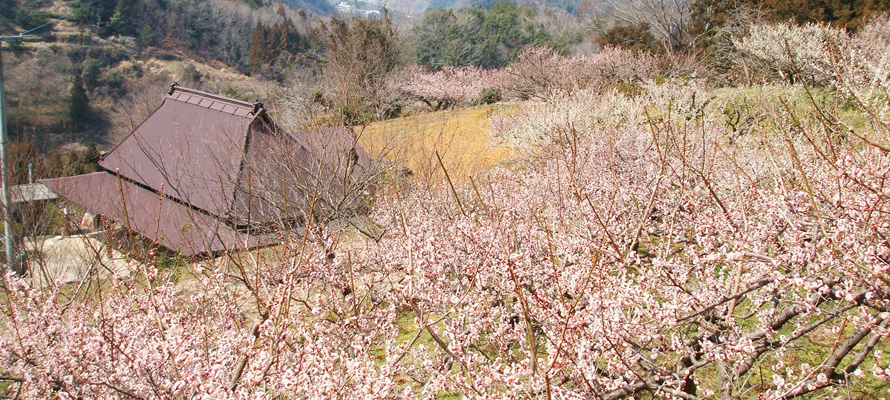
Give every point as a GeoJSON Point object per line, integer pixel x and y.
{"type": "Point", "coordinates": [462, 139]}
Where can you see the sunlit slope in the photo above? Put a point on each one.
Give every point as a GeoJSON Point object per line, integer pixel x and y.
{"type": "Point", "coordinates": [462, 139]}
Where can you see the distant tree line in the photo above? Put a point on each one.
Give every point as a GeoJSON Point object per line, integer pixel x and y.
{"type": "Point", "coordinates": [208, 29]}
{"type": "Point", "coordinates": [488, 38]}
{"type": "Point", "coordinates": [272, 44]}
{"type": "Point", "coordinates": [849, 14]}
{"type": "Point", "coordinates": [694, 25]}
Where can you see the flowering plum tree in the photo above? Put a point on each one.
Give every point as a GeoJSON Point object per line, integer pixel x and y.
{"type": "Point", "coordinates": [278, 332]}
{"type": "Point", "coordinates": [451, 85]}
{"type": "Point", "coordinates": [687, 279]}
{"type": "Point", "coordinates": [660, 256]}
{"type": "Point", "coordinates": [540, 72]}
{"type": "Point", "coordinates": [793, 51]}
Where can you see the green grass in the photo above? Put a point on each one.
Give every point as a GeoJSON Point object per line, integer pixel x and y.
{"type": "Point", "coordinates": [745, 107]}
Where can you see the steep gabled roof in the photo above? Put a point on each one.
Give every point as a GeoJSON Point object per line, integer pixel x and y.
{"type": "Point", "coordinates": [191, 149]}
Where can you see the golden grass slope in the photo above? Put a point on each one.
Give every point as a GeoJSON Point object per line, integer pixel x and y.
{"type": "Point", "coordinates": [462, 139]}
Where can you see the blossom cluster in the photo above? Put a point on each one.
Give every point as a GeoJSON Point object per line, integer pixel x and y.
{"type": "Point", "coordinates": [822, 54]}
{"type": "Point", "coordinates": [792, 49]}
{"type": "Point", "coordinates": [452, 85]}
{"type": "Point", "coordinates": [540, 72]}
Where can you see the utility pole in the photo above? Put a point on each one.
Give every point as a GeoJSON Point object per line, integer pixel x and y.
{"type": "Point", "coordinates": [12, 259]}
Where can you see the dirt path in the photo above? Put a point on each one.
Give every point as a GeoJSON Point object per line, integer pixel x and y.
{"type": "Point", "coordinates": [74, 258]}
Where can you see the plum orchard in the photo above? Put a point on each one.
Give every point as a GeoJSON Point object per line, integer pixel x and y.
{"type": "Point", "coordinates": [639, 248]}
{"type": "Point", "coordinates": [538, 73]}
{"type": "Point", "coordinates": [656, 256]}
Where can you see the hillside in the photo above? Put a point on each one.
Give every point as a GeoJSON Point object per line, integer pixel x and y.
{"type": "Point", "coordinates": [124, 66]}
{"type": "Point", "coordinates": [692, 207]}
{"type": "Point", "coordinates": [463, 140]}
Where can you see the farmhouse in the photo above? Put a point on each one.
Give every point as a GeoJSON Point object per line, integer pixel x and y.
{"type": "Point", "coordinates": [206, 173]}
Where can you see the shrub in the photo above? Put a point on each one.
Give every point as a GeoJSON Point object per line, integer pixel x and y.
{"type": "Point", "coordinates": [793, 51]}
{"type": "Point", "coordinates": [115, 80]}
{"type": "Point", "coordinates": [630, 37]}
{"type": "Point", "coordinates": [91, 72]}
{"type": "Point", "coordinates": [188, 73]}
{"type": "Point", "coordinates": [451, 86]}
{"type": "Point", "coordinates": [490, 96]}
{"type": "Point", "coordinates": [234, 93]}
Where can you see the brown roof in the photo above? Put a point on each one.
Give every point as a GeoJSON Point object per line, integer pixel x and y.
{"type": "Point", "coordinates": [215, 165]}
{"type": "Point", "coordinates": [189, 149]}
{"type": "Point", "coordinates": [158, 218]}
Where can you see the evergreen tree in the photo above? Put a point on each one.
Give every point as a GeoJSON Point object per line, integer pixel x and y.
{"type": "Point", "coordinates": [439, 40]}
{"type": "Point", "coordinates": [268, 45]}
{"type": "Point", "coordinates": [91, 72]}
{"type": "Point", "coordinates": [259, 48]}
{"type": "Point", "coordinates": [147, 36]}
{"type": "Point", "coordinates": [78, 102]}
{"type": "Point", "coordinates": [277, 41]}
{"type": "Point", "coordinates": [93, 12]}
{"type": "Point", "coordinates": [121, 21]}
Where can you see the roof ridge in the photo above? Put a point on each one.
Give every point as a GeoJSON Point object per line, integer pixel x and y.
{"type": "Point", "coordinates": [215, 97]}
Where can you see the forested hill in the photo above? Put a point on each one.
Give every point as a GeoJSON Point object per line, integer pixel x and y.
{"type": "Point", "coordinates": [315, 6]}
{"type": "Point", "coordinates": [96, 67]}
{"type": "Point", "coordinates": [212, 29]}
